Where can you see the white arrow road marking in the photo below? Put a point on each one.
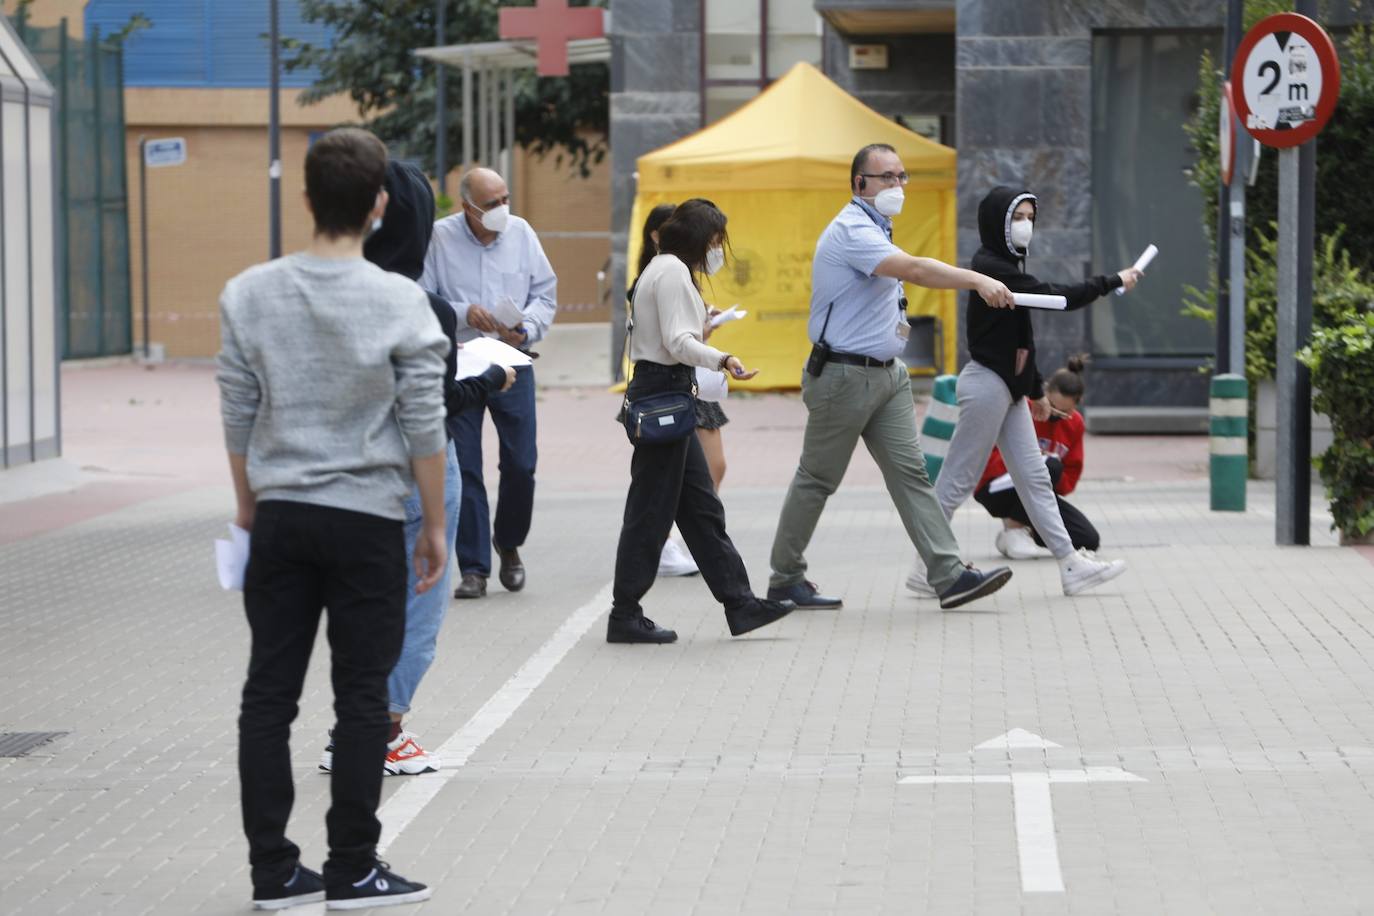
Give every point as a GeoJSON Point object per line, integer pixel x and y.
{"type": "Point", "coordinates": [1016, 738]}
{"type": "Point", "coordinates": [1036, 846]}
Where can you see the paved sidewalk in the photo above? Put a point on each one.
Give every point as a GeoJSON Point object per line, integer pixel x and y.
{"type": "Point", "coordinates": [1197, 737]}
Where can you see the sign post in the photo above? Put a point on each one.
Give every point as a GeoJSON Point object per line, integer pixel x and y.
{"type": "Point", "coordinates": [170, 151]}
{"type": "Point", "coordinates": [1286, 79]}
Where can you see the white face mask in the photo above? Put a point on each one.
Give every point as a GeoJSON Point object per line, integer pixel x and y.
{"type": "Point", "coordinates": [1021, 232]}
{"type": "Point", "coordinates": [889, 201]}
{"type": "Point", "coordinates": [496, 219]}
{"type": "Point", "coordinates": [715, 260]}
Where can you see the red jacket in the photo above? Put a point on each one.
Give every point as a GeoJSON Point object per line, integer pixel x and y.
{"type": "Point", "coordinates": [1063, 439]}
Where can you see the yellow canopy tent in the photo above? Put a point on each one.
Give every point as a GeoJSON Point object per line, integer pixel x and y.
{"type": "Point", "coordinates": [779, 168]}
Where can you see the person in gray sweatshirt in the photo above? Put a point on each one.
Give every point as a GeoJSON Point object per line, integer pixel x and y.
{"type": "Point", "coordinates": [331, 391]}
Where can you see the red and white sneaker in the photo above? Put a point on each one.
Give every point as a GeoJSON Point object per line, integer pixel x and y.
{"type": "Point", "coordinates": [405, 757]}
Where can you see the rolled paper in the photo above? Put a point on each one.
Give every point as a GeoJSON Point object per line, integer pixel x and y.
{"type": "Point", "coordinates": [1141, 263]}
{"type": "Point", "coordinates": [1035, 301]}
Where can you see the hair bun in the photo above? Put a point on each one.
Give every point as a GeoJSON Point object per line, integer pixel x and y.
{"type": "Point", "coordinates": [1076, 364]}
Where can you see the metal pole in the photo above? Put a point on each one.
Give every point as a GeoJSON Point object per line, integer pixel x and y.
{"type": "Point", "coordinates": [1231, 40]}
{"type": "Point", "coordinates": [1237, 245]}
{"type": "Point", "coordinates": [440, 102]}
{"type": "Point", "coordinates": [274, 135]}
{"type": "Point", "coordinates": [467, 111]}
{"type": "Point", "coordinates": [510, 133]}
{"type": "Point", "coordinates": [99, 144]}
{"type": "Point", "coordinates": [64, 187]}
{"type": "Point", "coordinates": [143, 235]}
{"type": "Point", "coordinates": [482, 115]}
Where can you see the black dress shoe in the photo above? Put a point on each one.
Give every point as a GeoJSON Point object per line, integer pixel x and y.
{"type": "Point", "coordinates": [512, 573]}
{"type": "Point", "coordinates": [757, 613]}
{"type": "Point", "coordinates": [637, 629]}
{"type": "Point", "coordinates": [472, 586]}
{"type": "Point", "coordinates": [973, 584]}
{"type": "Point", "coordinates": [804, 595]}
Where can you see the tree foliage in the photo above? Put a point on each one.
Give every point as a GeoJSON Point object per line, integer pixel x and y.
{"type": "Point", "coordinates": [371, 60]}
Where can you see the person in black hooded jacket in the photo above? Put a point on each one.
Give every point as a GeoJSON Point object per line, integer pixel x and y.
{"type": "Point", "coordinates": [399, 245]}
{"type": "Point", "coordinates": [999, 379]}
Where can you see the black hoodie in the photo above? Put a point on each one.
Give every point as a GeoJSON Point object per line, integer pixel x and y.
{"type": "Point", "coordinates": [995, 335]}
{"type": "Point", "coordinates": [400, 246]}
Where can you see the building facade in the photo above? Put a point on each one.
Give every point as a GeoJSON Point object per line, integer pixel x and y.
{"type": "Point", "coordinates": [1081, 102]}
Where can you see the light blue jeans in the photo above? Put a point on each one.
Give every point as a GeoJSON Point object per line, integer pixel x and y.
{"type": "Point", "coordinates": [424, 613]}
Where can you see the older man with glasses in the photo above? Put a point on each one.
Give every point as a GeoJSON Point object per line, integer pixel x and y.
{"type": "Point", "coordinates": [855, 386]}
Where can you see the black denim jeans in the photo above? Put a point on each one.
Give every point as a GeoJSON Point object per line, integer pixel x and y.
{"type": "Point", "coordinates": [305, 558]}
{"type": "Point", "coordinates": [1007, 504]}
{"type": "Point", "coordinates": [672, 483]}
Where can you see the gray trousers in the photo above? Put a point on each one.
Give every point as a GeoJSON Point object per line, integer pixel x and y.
{"type": "Point", "coordinates": [988, 417]}
{"type": "Point", "coordinates": [846, 403]}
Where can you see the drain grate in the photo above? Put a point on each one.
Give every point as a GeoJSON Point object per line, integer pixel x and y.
{"type": "Point", "coordinates": [17, 744]}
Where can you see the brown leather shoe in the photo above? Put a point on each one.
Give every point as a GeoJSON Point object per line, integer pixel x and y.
{"type": "Point", "coordinates": [472, 586]}
{"type": "Point", "coordinates": [512, 573]}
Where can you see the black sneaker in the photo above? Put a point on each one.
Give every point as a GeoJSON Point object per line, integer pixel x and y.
{"type": "Point", "coordinates": [379, 887]}
{"type": "Point", "coordinates": [973, 584]}
{"type": "Point", "coordinates": [757, 613]}
{"type": "Point", "coordinates": [305, 886]}
{"type": "Point", "coordinates": [637, 629]}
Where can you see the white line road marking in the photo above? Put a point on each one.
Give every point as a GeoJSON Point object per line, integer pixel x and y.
{"type": "Point", "coordinates": [410, 799]}
{"type": "Point", "coordinates": [1036, 847]}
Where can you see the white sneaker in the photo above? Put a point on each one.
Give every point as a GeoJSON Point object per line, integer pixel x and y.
{"type": "Point", "coordinates": [405, 757]}
{"type": "Point", "coordinates": [1017, 544]}
{"type": "Point", "coordinates": [1082, 570]}
{"type": "Point", "coordinates": [676, 561]}
{"type": "Point", "coordinates": [916, 581]}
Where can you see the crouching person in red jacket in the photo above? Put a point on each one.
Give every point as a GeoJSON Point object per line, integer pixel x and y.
{"type": "Point", "coordinates": [1061, 442]}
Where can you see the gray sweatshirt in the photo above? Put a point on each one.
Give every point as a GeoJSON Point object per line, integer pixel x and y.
{"type": "Point", "coordinates": [330, 378]}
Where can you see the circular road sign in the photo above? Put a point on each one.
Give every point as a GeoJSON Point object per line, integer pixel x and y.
{"type": "Point", "coordinates": [1227, 135]}
{"type": "Point", "coordinates": [1286, 79]}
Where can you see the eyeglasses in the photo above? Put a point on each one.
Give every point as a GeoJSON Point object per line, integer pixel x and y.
{"type": "Point", "coordinates": [890, 177]}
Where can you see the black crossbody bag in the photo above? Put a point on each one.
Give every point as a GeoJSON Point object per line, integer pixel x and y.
{"type": "Point", "coordinates": [820, 351]}
{"type": "Point", "coordinates": [657, 419]}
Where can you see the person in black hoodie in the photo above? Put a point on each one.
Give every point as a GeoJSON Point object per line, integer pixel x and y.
{"type": "Point", "coordinates": [999, 379]}
{"type": "Point", "coordinates": [399, 245]}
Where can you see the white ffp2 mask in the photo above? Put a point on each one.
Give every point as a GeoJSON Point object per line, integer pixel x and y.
{"type": "Point", "coordinates": [715, 260]}
{"type": "Point", "coordinates": [496, 219]}
{"type": "Point", "coordinates": [889, 201]}
{"type": "Point", "coordinates": [1021, 232]}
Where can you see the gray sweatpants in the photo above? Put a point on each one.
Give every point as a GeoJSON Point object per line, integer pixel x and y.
{"type": "Point", "coordinates": [988, 417]}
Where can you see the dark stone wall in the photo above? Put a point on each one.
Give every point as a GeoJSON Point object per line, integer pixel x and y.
{"type": "Point", "coordinates": [919, 78]}
{"type": "Point", "coordinates": [655, 99]}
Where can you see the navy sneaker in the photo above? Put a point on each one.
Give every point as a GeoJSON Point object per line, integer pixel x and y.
{"type": "Point", "coordinates": [972, 585]}
{"type": "Point", "coordinates": [305, 886]}
{"type": "Point", "coordinates": [805, 595]}
{"type": "Point", "coordinates": [379, 887]}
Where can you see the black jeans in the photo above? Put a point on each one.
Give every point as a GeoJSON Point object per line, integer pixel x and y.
{"type": "Point", "coordinates": [672, 483]}
{"type": "Point", "coordinates": [1007, 504]}
{"type": "Point", "coordinates": [305, 558]}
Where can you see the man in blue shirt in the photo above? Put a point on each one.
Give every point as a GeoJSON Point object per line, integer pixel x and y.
{"type": "Point", "coordinates": [855, 386]}
{"type": "Point", "coordinates": [490, 267]}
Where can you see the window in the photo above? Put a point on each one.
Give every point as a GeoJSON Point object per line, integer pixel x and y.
{"type": "Point", "coordinates": [748, 44]}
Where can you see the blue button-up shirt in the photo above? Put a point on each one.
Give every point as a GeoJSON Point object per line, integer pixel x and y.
{"type": "Point", "coordinates": [863, 309]}
{"type": "Point", "coordinates": [462, 270]}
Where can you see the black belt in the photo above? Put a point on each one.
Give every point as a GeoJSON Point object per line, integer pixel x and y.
{"type": "Point", "coordinates": [855, 359]}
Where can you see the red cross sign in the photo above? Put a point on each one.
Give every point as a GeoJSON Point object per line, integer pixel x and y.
{"type": "Point", "coordinates": [552, 23]}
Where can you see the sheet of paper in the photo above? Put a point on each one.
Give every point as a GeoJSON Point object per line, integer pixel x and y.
{"type": "Point", "coordinates": [711, 385]}
{"type": "Point", "coordinates": [507, 312]}
{"type": "Point", "coordinates": [1034, 301]}
{"type": "Point", "coordinates": [469, 363]}
{"type": "Point", "coordinates": [1141, 263]}
{"type": "Point", "coordinates": [493, 351]}
{"type": "Point", "coordinates": [999, 484]}
{"type": "Point", "coordinates": [231, 559]}
{"type": "Point", "coordinates": [733, 313]}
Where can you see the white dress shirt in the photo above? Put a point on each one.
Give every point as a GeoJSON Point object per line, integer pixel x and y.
{"type": "Point", "coordinates": [463, 271]}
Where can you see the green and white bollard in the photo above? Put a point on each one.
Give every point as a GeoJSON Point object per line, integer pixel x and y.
{"type": "Point", "coordinates": [938, 427]}
{"type": "Point", "coordinates": [1229, 461]}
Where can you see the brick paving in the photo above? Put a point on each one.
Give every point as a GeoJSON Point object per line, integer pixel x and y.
{"type": "Point", "coordinates": [756, 775]}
